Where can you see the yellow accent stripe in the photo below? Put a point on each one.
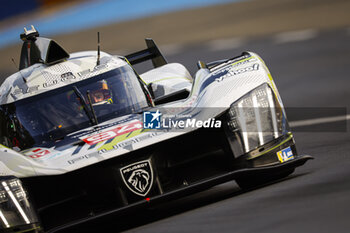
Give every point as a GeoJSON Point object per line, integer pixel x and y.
{"type": "Point", "coordinates": [284, 141]}
{"type": "Point", "coordinates": [196, 83]}
{"type": "Point", "coordinates": [245, 59]}
{"type": "Point", "coordinates": [195, 87]}
{"type": "Point", "coordinates": [279, 155]}
{"type": "Point", "coordinates": [134, 70]}
{"type": "Point", "coordinates": [31, 229]}
{"type": "Point", "coordinates": [2, 146]}
{"type": "Point", "coordinates": [272, 83]}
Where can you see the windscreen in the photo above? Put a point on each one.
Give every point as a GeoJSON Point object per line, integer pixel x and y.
{"type": "Point", "coordinates": [50, 116]}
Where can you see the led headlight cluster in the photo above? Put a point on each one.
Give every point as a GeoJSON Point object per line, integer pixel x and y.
{"type": "Point", "coordinates": [15, 209]}
{"type": "Point", "coordinates": [257, 118]}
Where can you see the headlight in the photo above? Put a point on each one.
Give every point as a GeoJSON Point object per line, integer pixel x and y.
{"type": "Point", "coordinates": [257, 118]}
{"type": "Point", "coordinates": [15, 209]}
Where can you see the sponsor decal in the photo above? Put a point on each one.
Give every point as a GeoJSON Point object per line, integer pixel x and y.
{"type": "Point", "coordinates": [253, 59]}
{"type": "Point", "coordinates": [125, 139]}
{"type": "Point", "coordinates": [138, 177]}
{"type": "Point", "coordinates": [25, 90]}
{"type": "Point", "coordinates": [67, 76]}
{"type": "Point", "coordinates": [49, 84]}
{"type": "Point", "coordinates": [112, 133]}
{"type": "Point", "coordinates": [232, 72]}
{"type": "Point", "coordinates": [89, 73]}
{"type": "Point", "coordinates": [230, 61]}
{"type": "Point", "coordinates": [64, 77]}
{"type": "Point", "coordinates": [84, 72]}
{"type": "Point", "coordinates": [70, 76]}
{"type": "Point", "coordinates": [36, 153]}
{"type": "Point", "coordinates": [151, 120]}
{"type": "Point", "coordinates": [82, 157]}
{"type": "Point", "coordinates": [233, 63]}
{"type": "Point", "coordinates": [285, 154]}
{"type": "Point", "coordinates": [122, 143]}
{"type": "Point", "coordinates": [228, 70]}
{"type": "Point", "coordinates": [117, 143]}
{"type": "Point", "coordinates": [90, 132]}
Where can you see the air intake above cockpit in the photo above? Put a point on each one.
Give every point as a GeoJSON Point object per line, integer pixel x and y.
{"type": "Point", "coordinates": [37, 49]}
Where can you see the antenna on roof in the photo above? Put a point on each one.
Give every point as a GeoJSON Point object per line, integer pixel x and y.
{"type": "Point", "coordinates": [14, 63]}
{"type": "Point", "coordinates": [13, 60]}
{"type": "Point", "coordinates": [98, 48]}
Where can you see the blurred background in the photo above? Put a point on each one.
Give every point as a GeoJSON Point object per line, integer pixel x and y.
{"type": "Point", "coordinates": [172, 24]}
{"type": "Point", "coordinates": [305, 44]}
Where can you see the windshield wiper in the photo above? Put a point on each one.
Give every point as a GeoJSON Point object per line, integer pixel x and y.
{"type": "Point", "coordinates": [91, 107]}
{"type": "Point", "coordinates": [89, 113]}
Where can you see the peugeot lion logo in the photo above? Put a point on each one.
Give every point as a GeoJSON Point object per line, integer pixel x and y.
{"type": "Point", "coordinates": [138, 177]}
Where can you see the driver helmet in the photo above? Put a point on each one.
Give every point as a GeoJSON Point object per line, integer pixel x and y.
{"type": "Point", "coordinates": [101, 95]}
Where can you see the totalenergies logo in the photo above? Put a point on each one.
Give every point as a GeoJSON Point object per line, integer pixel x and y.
{"type": "Point", "coordinates": [112, 133]}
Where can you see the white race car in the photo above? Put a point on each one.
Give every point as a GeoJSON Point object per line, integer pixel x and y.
{"type": "Point", "coordinates": [84, 136]}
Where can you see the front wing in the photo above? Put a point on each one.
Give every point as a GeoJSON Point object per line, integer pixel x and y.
{"type": "Point", "coordinates": [187, 190]}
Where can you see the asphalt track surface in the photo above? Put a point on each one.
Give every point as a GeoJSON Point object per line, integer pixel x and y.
{"type": "Point", "coordinates": [310, 72]}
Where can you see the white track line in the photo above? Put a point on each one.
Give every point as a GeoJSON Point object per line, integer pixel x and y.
{"type": "Point", "coordinates": [294, 36]}
{"type": "Point", "coordinates": [223, 44]}
{"type": "Point", "coordinates": [316, 121]}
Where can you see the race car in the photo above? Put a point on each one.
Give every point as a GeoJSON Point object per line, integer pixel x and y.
{"type": "Point", "coordinates": [85, 136]}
